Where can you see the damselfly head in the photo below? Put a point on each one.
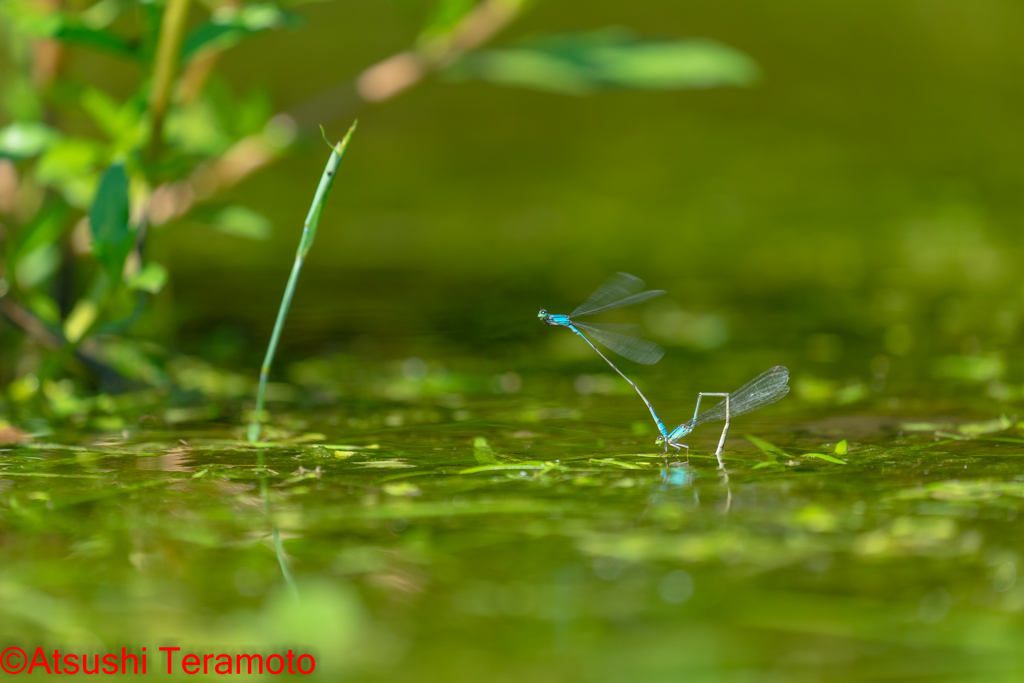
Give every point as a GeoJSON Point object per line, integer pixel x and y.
{"type": "Point", "coordinates": [660, 441]}
{"type": "Point", "coordinates": [544, 317]}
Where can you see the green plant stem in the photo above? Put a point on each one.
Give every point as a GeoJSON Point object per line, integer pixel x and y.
{"type": "Point", "coordinates": [308, 235]}
{"type": "Point", "coordinates": [172, 32]}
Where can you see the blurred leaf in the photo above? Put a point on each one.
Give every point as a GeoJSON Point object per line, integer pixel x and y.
{"type": "Point", "coordinates": [389, 464]}
{"type": "Point", "coordinates": [101, 15]}
{"type": "Point", "coordinates": [132, 360]}
{"type": "Point", "coordinates": [23, 139]}
{"type": "Point", "coordinates": [825, 456]}
{"type": "Point", "coordinates": [103, 41]}
{"type": "Point", "coordinates": [611, 58]}
{"type": "Point", "coordinates": [69, 164]}
{"type": "Point", "coordinates": [192, 374]}
{"type": "Point", "coordinates": [841, 448]}
{"type": "Point", "coordinates": [103, 109]}
{"type": "Point", "coordinates": [972, 368]}
{"type": "Point", "coordinates": [44, 307]}
{"type": "Point", "coordinates": [402, 488]}
{"type": "Point", "coordinates": [21, 99]}
{"type": "Point", "coordinates": [239, 116]}
{"type": "Point", "coordinates": [525, 68]}
{"type": "Point", "coordinates": [483, 452]}
{"type": "Point", "coordinates": [985, 427]}
{"type": "Point", "coordinates": [230, 24]}
{"type": "Point", "coordinates": [925, 426]}
{"type": "Point", "coordinates": [241, 221]}
{"type": "Point", "coordinates": [37, 266]}
{"type": "Point", "coordinates": [196, 129]}
{"type": "Point", "coordinates": [767, 447]}
{"type": "Point", "coordinates": [124, 123]}
{"type": "Point", "coordinates": [81, 318]}
{"type": "Point", "coordinates": [529, 465]}
{"type": "Point", "coordinates": [853, 391]}
{"type": "Point", "coordinates": [151, 278]}
{"type": "Point", "coordinates": [445, 15]}
{"type": "Point", "coordinates": [46, 228]}
{"type": "Point", "coordinates": [111, 238]}
{"type": "Point", "coordinates": [36, 23]}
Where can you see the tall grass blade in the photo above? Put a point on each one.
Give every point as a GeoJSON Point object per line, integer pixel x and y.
{"type": "Point", "coordinates": [308, 235]}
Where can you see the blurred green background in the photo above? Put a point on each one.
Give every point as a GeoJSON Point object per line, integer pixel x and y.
{"type": "Point", "coordinates": [872, 178]}
{"type": "Point", "coordinates": [860, 200]}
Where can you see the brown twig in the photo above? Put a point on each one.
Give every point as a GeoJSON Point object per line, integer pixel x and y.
{"type": "Point", "coordinates": [399, 72]}
{"type": "Point", "coordinates": [32, 325]}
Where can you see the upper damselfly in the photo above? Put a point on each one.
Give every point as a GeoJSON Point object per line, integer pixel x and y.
{"type": "Point", "coordinates": [621, 289]}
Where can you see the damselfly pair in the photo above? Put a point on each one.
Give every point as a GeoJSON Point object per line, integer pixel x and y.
{"type": "Point", "coordinates": [623, 289]}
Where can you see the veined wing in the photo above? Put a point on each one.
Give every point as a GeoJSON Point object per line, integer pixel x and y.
{"type": "Point", "coordinates": [621, 289]}
{"type": "Point", "coordinates": [622, 340]}
{"type": "Point", "coordinates": [763, 390]}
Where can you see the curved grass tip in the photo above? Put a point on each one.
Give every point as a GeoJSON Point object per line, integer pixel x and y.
{"type": "Point", "coordinates": [344, 141]}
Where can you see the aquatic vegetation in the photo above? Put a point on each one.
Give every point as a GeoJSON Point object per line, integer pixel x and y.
{"type": "Point", "coordinates": [500, 530]}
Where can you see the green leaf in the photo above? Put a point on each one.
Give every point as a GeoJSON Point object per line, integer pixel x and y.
{"type": "Point", "coordinates": [230, 24]}
{"type": "Point", "coordinates": [767, 447]}
{"type": "Point", "coordinates": [483, 452]}
{"type": "Point", "coordinates": [531, 465]}
{"type": "Point", "coordinates": [587, 62]}
{"type": "Point", "coordinates": [72, 32]}
{"type": "Point", "coordinates": [111, 238]}
{"type": "Point", "coordinates": [524, 68]}
{"type": "Point", "coordinates": [23, 139]}
{"type": "Point", "coordinates": [151, 278]}
{"type": "Point", "coordinates": [985, 427]}
{"type": "Point", "coordinates": [841, 448]}
{"type": "Point", "coordinates": [674, 65]}
{"type": "Point", "coordinates": [767, 463]}
{"type": "Point", "coordinates": [824, 456]}
{"type": "Point", "coordinates": [241, 221]}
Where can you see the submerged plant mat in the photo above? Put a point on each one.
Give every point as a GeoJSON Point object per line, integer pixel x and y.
{"type": "Point", "coordinates": [498, 547]}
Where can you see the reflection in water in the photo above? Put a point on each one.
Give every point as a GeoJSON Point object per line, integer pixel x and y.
{"type": "Point", "coordinates": [678, 477]}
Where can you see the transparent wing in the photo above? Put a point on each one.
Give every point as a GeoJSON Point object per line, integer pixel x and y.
{"type": "Point", "coordinates": [622, 340]}
{"type": "Point", "coordinates": [763, 390]}
{"type": "Point", "coordinates": [621, 289]}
